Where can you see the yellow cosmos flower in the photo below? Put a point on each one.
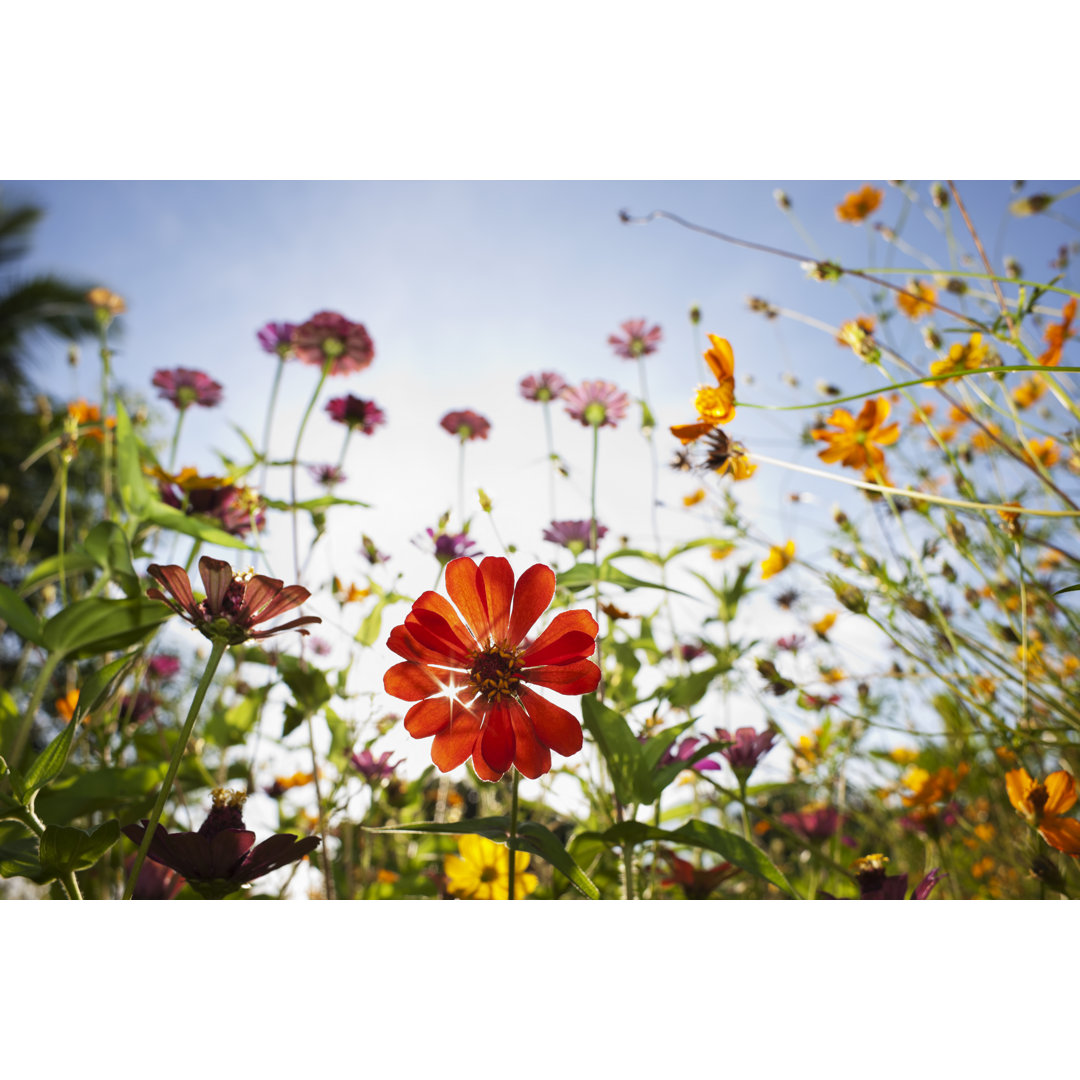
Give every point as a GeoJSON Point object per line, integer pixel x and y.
{"type": "Point", "coordinates": [1046, 452]}
{"type": "Point", "coordinates": [715, 404]}
{"type": "Point", "coordinates": [721, 551]}
{"type": "Point", "coordinates": [778, 559]}
{"type": "Point", "coordinates": [1029, 391]}
{"type": "Point", "coordinates": [986, 436]}
{"type": "Point", "coordinates": [481, 871]}
{"type": "Point", "coordinates": [904, 755]}
{"type": "Point", "coordinates": [859, 439]}
{"type": "Point", "coordinates": [824, 625]}
{"type": "Point", "coordinates": [738, 467]}
{"type": "Point", "coordinates": [1043, 806]}
{"type": "Point", "coordinates": [961, 358]}
{"type": "Point", "coordinates": [1057, 334]}
{"type": "Point", "coordinates": [859, 205]}
{"type": "Point", "coordinates": [928, 788]}
{"type": "Point", "coordinates": [694, 498]}
{"type": "Point", "coordinates": [917, 301]}
{"type": "Point", "coordinates": [106, 301]}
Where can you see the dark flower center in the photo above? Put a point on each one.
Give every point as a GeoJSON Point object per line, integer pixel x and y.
{"type": "Point", "coordinates": [494, 673]}
{"type": "Point", "coordinates": [489, 873]}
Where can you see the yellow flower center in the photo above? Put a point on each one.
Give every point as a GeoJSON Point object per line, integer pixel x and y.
{"type": "Point", "coordinates": [494, 673]}
{"type": "Point", "coordinates": [714, 403]}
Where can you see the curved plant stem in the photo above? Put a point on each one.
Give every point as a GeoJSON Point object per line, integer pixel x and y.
{"type": "Point", "coordinates": [328, 875]}
{"type": "Point", "coordinates": [328, 363]}
{"type": "Point", "coordinates": [552, 460]}
{"type": "Point", "coordinates": [216, 653]}
{"type": "Point", "coordinates": [269, 421]}
{"type": "Point", "coordinates": [181, 413]}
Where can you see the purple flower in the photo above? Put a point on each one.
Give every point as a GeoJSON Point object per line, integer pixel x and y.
{"type": "Point", "coordinates": [748, 748]}
{"type": "Point", "coordinates": [374, 770]}
{"type": "Point", "coordinates": [813, 822]}
{"type": "Point", "coordinates": [638, 341]}
{"type": "Point", "coordinates": [875, 884]}
{"type": "Point", "coordinates": [466, 424]}
{"type": "Point", "coordinates": [543, 387]}
{"type": "Point", "coordinates": [327, 475]}
{"type": "Point", "coordinates": [163, 666]}
{"type": "Point", "coordinates": [449, 546]}
{"type": "Point", "coordinates": [330, 337]}
{"type": "Point", "coordinates": [321, 647]}
{"type": "Point", "coordinates": [596, 403]}
{"type": "Point", "coordinates": [231, 505]}
{"type": "Point", "coordinates": [574, 535]}
{"type": "Point", "coordinates": [219, 858]}
{"type": "Point", "coordinates": [185, 387]}
{"type": "Point", "coordinates": [137, 707]}
{"type": "Point", "coordinates": [356, 413]}
{"type": "Point", "coordinates": [156, 882]}
{"type": "Point", "coordinates": [683, 752]}
{"type": "Point", "coordinates": [276, 337]}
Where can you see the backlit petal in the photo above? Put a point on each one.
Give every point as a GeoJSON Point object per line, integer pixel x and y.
{"type": "Point", "coordinates": [497, 576]}
{"type": "Point", "coordinates": [566, 621]}
{"type": "Point", "coordinates": [433, 602]}
{"type": "Point", "coordinates": [176, 582]}
{"type": "Point", "coordinates": [1062, 833]}
{"type": "Point", "coordinates": [554, 726]}
{"type": "Point", "coordinates": [533, 593]}
{"type": "Point", "coordinates": [497, 743]}
{"type": "Point", "coordinates": [720, 358]}
{"type": "Point", "coordinates": [531, 757]}
{"type": "Point", "coordinates": [1019, 786]}
{"type": "Point", "coordinates": [582, 677]}
{"type": "Point", "coordinates": [1060, 793]}
{"type": "Point", "coordinates": [574, 645]}
{"type": "Point", "coordinates": [482, 769]}
{"type": "Point", "coordinates": [454, 743]}
{"type": "Point", "coordinates": [410, 681]}
{"type": "Point", "coordinates": [276, 603]}
{"type": "Point", "coordinates": [428, 717]}
{"type": "Point", "coordinates": [217, 576]}
{"type": "Point", "coordinates": [688, 433]}
{"type": "Point", "coordinates": [404, 644]}
{"type": "Point", "coordinates": [463, 585]}
{"type": "Point", "coordinates": [434, 632]}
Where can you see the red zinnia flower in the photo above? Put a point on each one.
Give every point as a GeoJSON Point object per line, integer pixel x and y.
{"type": "Point", "coordinates": [466, 424]}
{"type": "Point", "coordinates": [330, 336]}
{"type": "Point", "coordinates": [638, 341]}
{"type": "Point", "coordinates": [543, 387]}
{"type": "Point", "coordinates": [356, 413]}
{"type": "Point", "coordinates": [184, 387]}
{"type": "Point", "coordinates": [467, 672]}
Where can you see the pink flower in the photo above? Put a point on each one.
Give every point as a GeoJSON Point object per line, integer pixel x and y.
{"type": "Point", "coordinates": [638, 341]}
{"type": "Point", "coordinates": [596, 403]}
{"type": "Point", "coordinates": [276, 337]}
{"type": "Point", "coordinates": [184, 387]}
{"type": "Point", "coordinates": [747, 749]}
{"type": "Point", "coordinates": [813, 822]}
{"type": "Point", "coordinates": [163, 666]}
{"type": "Point", "coordinates": [231, 505]}
{"type": "Point", "coordinates": [543, 387]}
{"type": "Point", "coordinates": [327, 476]}
{"type": "Point", "coordinates": [329, 336]}
{"type": "Point", "coordinates": [575, 536]}
{"type": "Point", "coordinates": [356, 413]}
{"type": "Point", "coordinates": [466, 424]}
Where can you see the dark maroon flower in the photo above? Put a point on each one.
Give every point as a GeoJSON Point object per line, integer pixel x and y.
{"type": "Point", "coordinates": [875, 884]}
{"type": "Point", "coordinates": [466, 425]}
{"type": "Point", "coordinates": [327, 475]}
{"type": "Point", "coordinates": [543, 387]}
{"type": "Point", "coordinates": [813, 822]}
{"type": "Point", "coordinates": [276, 337]}
{"type": "Point", "coordinates": [163, 666]}
{"type": "Point", "coordinates": [230, 505]}
{"type": "Point", "coordinates": [156, 882]}
{"type": "Point", "coordinates": [374, 770]}
{"type": "Point", "coordinates": [683, 752]}
{"type": "Point", "coordinates": [234, 604]}
{"type": "Point", "coordinates": [219, 858]}
{"type": "Point", "coordinates": [137, 707]}
{"type": "Point", "coordinates": [575, 536]}
{"type": "Point", "coordinates": [356, 413]}
{"type": "Point", "coordinates": [747, 749]}
{"type": "Point", "coordinates": [449, 546]}
{"type": "Point", "coordinates": [331, 337]}
{"type": "Point", "coordinates": [184, 387]}
{"type": "Point", "coordinates": [637, 341]}
{"type": "Point", "coordinates": [696, 883]}
{"type": "Point", "coordinates": [691, 651]}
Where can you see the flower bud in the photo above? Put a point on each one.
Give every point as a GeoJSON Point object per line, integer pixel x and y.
{"type": "Point", "coordinates": [939, 196]}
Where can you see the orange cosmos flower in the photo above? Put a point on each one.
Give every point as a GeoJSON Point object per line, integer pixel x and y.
{"type": "Point", "coordinates": [715, 404]}
{"type": "Point", "coordinates": [106, 302]}
{"type": "Point", "coordinates": [859, 439]}
{"type": "Point", "coordinates": [67, 705]}
{"type": "Point", "coordinates": [1045, 451]}
{"type": "Point", "coordinates": [467, 673]}
{"type": "Point", "coordinates": [961, 358]}
{"type": "Point", "coordinates": [859, 205]}
{"type": "Point", "coordinates": [917, 301]}
{"type": "Point", "coordinates": [1029, 391]}
{"type": "Point", "coordinates": [1043, 805]}
{"type": "Point", "coordinates": [1057, 334]}
{"type": "Point", "coordinates": [929, 788]}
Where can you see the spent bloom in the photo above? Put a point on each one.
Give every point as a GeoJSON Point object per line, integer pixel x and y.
{"type": "Point", "coordinates": [466, 425]}
{"type": "Point", "coordinates": [469, 673]}
{"type": "Point", "coordinates": [747, 748]}
{"type": "Point", "coordinates": [481, 871]}
{"type": "Point", "coordinates": [543, 387]}
{"type": "Point", "coordinates": [356, 413]}
{"type": "Point", "coordinates": [220, 858]}
{"type": "Point", "coordinates": [715, 404]}
{"type": "Point", "coordinates": [277, 338]}
{"type": "Point", "coordinates": [859, 205]}
{"type": "Point", "coordinates": [858, 439]}
{"type": "Point", "coordinates": [234, 604]}
{"type": "Point", "coordinates": [575, 536]}
{"type": "Point", "coordinates": [330, 338]}
{"type": "Point", "coordinates": [636, 341]}
{"type": "Point", "coordinates": [185, 387]}
{"type": "Point", "coordinates": [1044, 805]}
{"type": "Point", "coordinates": [596, 403]}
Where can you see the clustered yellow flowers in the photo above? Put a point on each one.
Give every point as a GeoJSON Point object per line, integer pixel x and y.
{"type": "Point", "coordinates": [859, 205]}
{"type": "Point", "coordinates": [961, 358]}
{"type": "Point", "coordinates": [779, 558]}
{"type": "Point", "coordinates": [481, 871]}
{"type": "Point", "coordinates": [917, 301]}
{"type": "Point", "coordinates": [858, 440]}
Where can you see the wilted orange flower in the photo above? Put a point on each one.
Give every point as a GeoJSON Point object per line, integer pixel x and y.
{"type": "Point", "coordinates": [106, 301]}
{"type": "Point", "coordinates": [917, 301]}
{"type": "Point", "coordinates": [778, 559]}
{"type": "Point", "coordinates": [858, 441]}
{"type": "Point", "coordinates": [961, 358]}
{"type": "Point", "coordinates": [1029, 391]}
{"type": "Point", "coordinates": [715, 404]}
{"type": "Point", "coordinates": [1043, 805]}
{"type": "Point", "coordinates": [66, 706]}
{"type": "Point", "coordinates": [859, 205]}
{"type": "Point", "coordinates": [1046, 452]}
{"type": "Point", "coordinates": [929, 788]}
{"type": "Point", "coordinates": [694, 498]}
{"type": "Point", "coordinates": [1056, 334]}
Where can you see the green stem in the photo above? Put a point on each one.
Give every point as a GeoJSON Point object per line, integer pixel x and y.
{"type": "Point", "coordinates": [328, 363]}
{"type": "Point", "coordinates": [269, 420]}
{"type": "Point", "coordinates": [461, 483]}
{"type": "Point", "coordinates": [592, 521]}
{"type": "Point", "coordinates": [106, 437]}
{"type": "Point", "coordinates": [551, 458]}
{"type": "Point", "coordinates": [216, 653]}
{"type": "Point", "coordinates": [61, 531]}
{"type": "Point", "coordinates": [328, 876]}
{"type": "Point", "coordinates": [512, 841]}
{"type": "Point", "coordinates": [40, 686]}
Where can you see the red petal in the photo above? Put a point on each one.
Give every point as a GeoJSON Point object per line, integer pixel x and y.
{"type": "Point", "coordinates": [275, 602]}
{"type": "Point", "coordinates": [428, 717]}
{"type": "Point", "coordinates": [463, 585]}
{"type": "Point", "coordinates": [575, 645]}
{"type": "Point", "coordinates": [176, 582]}
{"type": "Point", "coordinates": [580, 678]}
{"type": "Point", "coordinates": [410, 681]}
{"type": "Point", "coordinates": [482, 769]}
{"type": "Point", "coordinates": [404, 644]}
{"type": "Point", "coordinates": [534, 591]}
{"type": "Point", "coordinates": [531, 756]}
{"type": "Point", "coordinates": [307, 620]}
{"type": "Point", "coordinates": [566, 621]}
{"type": "Point", "coordinates": [497, 742]}
{"type": "Point", "coordinates": [497, 576]}
{"type": "Point", "coordinates": [434, 632]}
{"type": "Point", "coordinates": [432, 601]}
{"type": "Point", "coordinates": [454, 743]}
{"type": "Point", "coordinates": [217, 576]}
{"type": "Point", "coordinates": [554, 726]}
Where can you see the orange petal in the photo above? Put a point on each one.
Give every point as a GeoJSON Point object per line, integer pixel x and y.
{"type": "Point", "coordinates": [533, 593]}
{"type": "Point", "coordinates": [497, 593]}
{"type": "Point", "coordinates": [721, 358]}
{"type": "Point", "coordinates": [428, 717]}
{"type": "Point", "coordinates": [580, 678]}
{"type": "Point", "coordinates": [405, 645]}
{"type": "Point", "coordinates": [577, 621]}
{"type": "Point", "coordinates": [688, 433]}
{"type": "Point", "coordinates": [497, 744]}
{"type": "Point", "coordinates": [554, 726]}
{"type": "Point", "coordinates": [1019, 786]}
{"type": "Point", "coordinates": [1062, 833]}
{"type": "Point", "coordinates": [463, 587]}
{"type": "Point", "coordinates": [531, 757]}
{"type": "Point", "coordinates": [482, 769]}
{"type": "Point", "coordinates": [435, 633]}
{"type": "Point", "coordinates": [433, 602]}
{"type": "Point", "coordinates": [454, 743]}
{"type": "Point", "coordinates": [410, 681]}
{"type": "Point", "coordinates": [1060, 793]}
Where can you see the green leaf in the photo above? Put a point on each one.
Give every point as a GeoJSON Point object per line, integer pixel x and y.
{"type": "Point", "coordinates": [126, 793]}
{"type": "Point", "coordinates": [10, 721]}
{"type": "Point", "coordinates": [369, 629]}
{"type": "Point", "coordinates": [15, 611]}
{"type": "Point", "coordinates": [688, 690]}
{"type": "Point", "coordinates": [19, 858]}
{"type": "Point", "coordinates": [582, 575]}
{"type": "Point", "coordinates": [97, 689]}
{"type": "Point", "coordinates": [64, 848]}
{"type": "Point", "coordinates": [107, 545]}
{"type": "Point", "coordinates": [538, 840]}
{"type": "Point", "coordinates": [1068, 588]}
{"type": "Point", "coordinates": [76, 561]}
{"type": "Point", "coordinates": [133, 488]}
{"type": "Point", "coordinates": [48, 764]}
{"type": "Point", "coordinates": [494, 828]}
{"type": "Point", "coordinates": [620, 749]}
{"type": "Point", "coordinates": [97, 625]}
{"type": "Point", "coordinates": [228, 727]}
{"type": "Point", "coordinates": [321, 503]}
{"type": "Point", "coordinates": [201, 528]}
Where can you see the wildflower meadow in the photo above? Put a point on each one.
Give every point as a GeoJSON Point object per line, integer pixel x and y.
{"type": "Point", "coordinates": [743, 597]}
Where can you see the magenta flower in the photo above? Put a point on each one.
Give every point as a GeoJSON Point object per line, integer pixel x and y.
{"type": "Point", "coordinates": [156, 882]}
{"type": "Point", "coordinates": [234, 604]}
{"type": "Point", "coordinates": [597, 403]}
{"type": "Point", "coordinates": [185, 387]}
{"type": "Point", "coordinates": [276, 337]}
{"type": "Point", "coordinates": [637, 342]}
{"type": "Point", "coordinates": [683, 752]}
{"type": "Point", "coordinates": [793, 643]}
{"type": "Point", "coordinates": [374, 770]}
{"type": "Point", "coordinates": [543, 387]}
{"type": "Point", "coordinates": [875, 884]}
{"type": "Point", "coordinates": [466, 424]}
{"type": "Point", "coordinates": [231, 506]}
{"type": "Point", "coordinates": [691, 651]}
{"type": "Point", "coordinates": [575, 536]}
{"type": "Point", "coordinates": [327, 476]}
{"type": "Point", "coordinates": [747, 749]}
{"type": "Point", "coordinates": [163, 666]}
{"type": "Point", "coordinates": [356, 413]}
{"type": "Point", "coordinates": [219, 858]}
{"type": "Point", "coordinates": [449, 546]}
{"type": "Point", "coordinates": [813, 822]}
{"type": "Point", "coordinates": [137, 707]}
{"type": "Point", "coordinates": [329, 336]}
